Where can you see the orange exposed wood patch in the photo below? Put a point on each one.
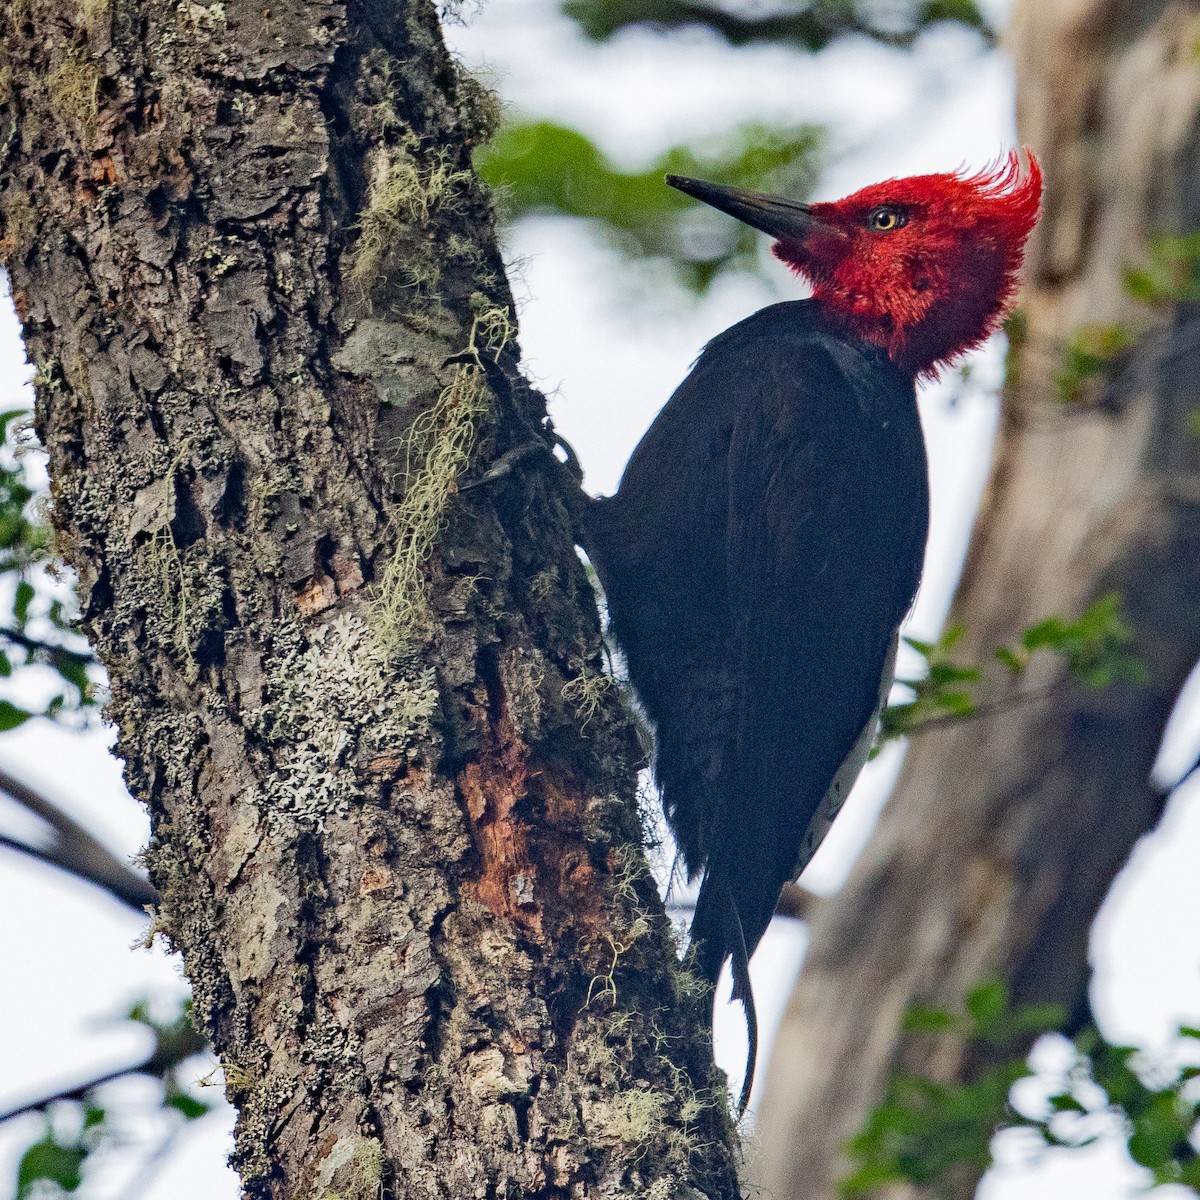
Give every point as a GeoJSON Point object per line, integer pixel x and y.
{"type": "Point", "coordinates": [321, 591]}
{"type": "Point", "coordinates": [374, 879]}
{"type": "Point", "coordinates": [347, 572]}
{"type": "Point", "coordinates": [535, 868]}
{"type": "Point", "coordinates": [101, 173]}
{"type": "Point", "coordinates": [492, 788]}
{"type": "Point", "coordinates": [314, 595]}
{"type": "Point", "coordinates": [384, 766]}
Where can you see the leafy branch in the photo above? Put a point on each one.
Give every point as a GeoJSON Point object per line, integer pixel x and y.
{"type": "Point", "coordinates": [804, 26]}
{"type": "Point", "coordinates": [925, 1130]}
{"type": "Point", "coordinates": [1094, 648]}
{"type": "Point", "coordinates": [542, 167]}
{"type": "Point", "coordinates": [1171, 274]}
{"type": "Point", "coordinates": [77, 1123]}
{"type": "Point", "coordinates": [1098, 352]}
{"type": "Point", "coordinates": [1091, 356]}
{"type": "Point", "coordinates": [37, 627]}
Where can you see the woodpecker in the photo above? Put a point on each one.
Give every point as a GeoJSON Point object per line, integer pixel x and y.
{"type": "Point", "coordinates": [767, 536]}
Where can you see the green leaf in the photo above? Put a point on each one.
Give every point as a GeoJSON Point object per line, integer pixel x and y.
{"type": "Point", "coordinates": [189, 1106]}
{"type": "Point", "coordinates": [1151, 1145]}
{"type": "Point", "coordinates": [1039, 1018]}
{"type": "Point", "coordinates": [11, 716]}
{"type": "Point", "coordinates": [1045, 633]}
{"type": "Point", "coordinates": [51, 1161]}
{"type": "Point", "coordinates": [924, 1130]}
{"type": "Point", "coordinates": [1014, 661]}
{"type": "Point", "coordinates": [24, 597]}
{"type": "Point", "coordinates": [957, 704]}
{"type": "Point", "coordinates": [868, 1179]}
{"type": "Point", "coordinates": [74, 671]}
{"type": "Point", "coordinates": [1089, 356]}
{"type": "Point", "coordinates": [8, 417]}
{"type": "Point", "coordinates": [1171, 275]}
{"type": "Point", "coordinates": [919, 1019]}
{"type": "Point", "coordinates": [988, 1004]}
{"type": "Point", "coordinates": [951, 637]}
{"type": "Point", "coordinates": [1093, 645]}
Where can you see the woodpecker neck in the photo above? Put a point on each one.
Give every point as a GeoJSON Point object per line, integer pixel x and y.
{"type": "Point", "coordinates": [920, 318]}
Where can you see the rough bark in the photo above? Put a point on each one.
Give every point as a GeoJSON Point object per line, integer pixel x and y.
{"type": "Point", "coordinates": [1004, 834]}
{"type": "Point", "coordinates": [394, 821]}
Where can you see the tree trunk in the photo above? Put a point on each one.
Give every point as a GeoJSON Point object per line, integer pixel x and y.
{"type": "Point", "coordinates": [393, 801]}
{"type": "Point", "coordinates": [1004, 834]}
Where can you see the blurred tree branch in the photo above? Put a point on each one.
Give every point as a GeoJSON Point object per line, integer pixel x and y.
{"type": "Point", "coordinates": [1003, 836]}
{"type": "Point", "coordinates": [810, 27]}
{"type": "Point", "coordinates": [75, 850]}
{"type": "Point", "coordinates": [59, 1158]}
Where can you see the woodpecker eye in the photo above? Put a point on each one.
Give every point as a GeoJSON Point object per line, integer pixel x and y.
{"type": "Point", "coordinates": [885, 218]}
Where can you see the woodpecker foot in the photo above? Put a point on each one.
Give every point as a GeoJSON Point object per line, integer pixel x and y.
{"type": "Point", "coordinates": [566, 470]}
{"type": "Point", "coordinates": [506, 464]}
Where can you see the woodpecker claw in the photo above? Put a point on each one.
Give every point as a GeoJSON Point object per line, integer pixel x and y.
{"type": "Point", "coordinates": [505, 464]}
{"type": "Point", "coordinates": [567, 474]}
{"type": "Point", "coordinates": [571, 460]}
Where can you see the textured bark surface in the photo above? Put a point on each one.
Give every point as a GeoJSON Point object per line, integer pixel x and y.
{"type": "Point", "coordinates": [1004, 834]}
{"type": "Point", "coordinates": [394, 817]}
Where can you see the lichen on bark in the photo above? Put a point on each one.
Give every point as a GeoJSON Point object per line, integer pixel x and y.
{"type": "Point", "coordinates": [401, 857]}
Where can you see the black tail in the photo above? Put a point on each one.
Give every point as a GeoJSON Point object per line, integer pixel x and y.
{"type": "Point", "coordinates": [717, 934]}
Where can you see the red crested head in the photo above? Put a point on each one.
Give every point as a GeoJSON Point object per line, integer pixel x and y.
{"type": "Point", "coordinates": [925, 267]}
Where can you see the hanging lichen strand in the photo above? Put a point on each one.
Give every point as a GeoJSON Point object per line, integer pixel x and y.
{"type": "Point", "coordinates": [437, 447]}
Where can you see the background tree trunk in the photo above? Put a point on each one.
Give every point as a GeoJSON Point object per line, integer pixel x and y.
{"type": "Point", "coordinates": [394, 823]}
{"type": "Point", "coordinates": [1004, 834]}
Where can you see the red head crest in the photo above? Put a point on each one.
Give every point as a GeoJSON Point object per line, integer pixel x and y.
{"type": "Point", "coordinates": [925, 267]}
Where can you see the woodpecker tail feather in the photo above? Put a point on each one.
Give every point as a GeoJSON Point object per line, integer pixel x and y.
{"type": "Point", "coordinates": [717, 935]}
{"type": "Point", "coordinates": [743, 991]}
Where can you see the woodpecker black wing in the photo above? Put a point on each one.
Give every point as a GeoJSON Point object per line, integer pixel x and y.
{"type": "Point", "coordinates": [763, 546]}
{"type": "Point", "coordinates": [826, 524]}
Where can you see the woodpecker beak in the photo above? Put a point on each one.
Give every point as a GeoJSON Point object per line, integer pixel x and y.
{"type": "Point", "coordinates": [785, 220]}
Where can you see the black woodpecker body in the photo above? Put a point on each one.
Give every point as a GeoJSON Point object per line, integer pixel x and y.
{"type": "Point", "coordinates": [764, 545]}
{"type": "Point", "coordinates": [768, 533]}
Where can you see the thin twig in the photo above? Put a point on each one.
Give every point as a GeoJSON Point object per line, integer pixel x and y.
{"type": "Point", "coordinates": [36, 645]}
{"type": "Point", "coordinates": [79, 1092]}
{"type": "Point", "coordinates": [989, 709]}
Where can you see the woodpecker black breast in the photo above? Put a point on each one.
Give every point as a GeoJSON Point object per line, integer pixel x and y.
{"type": "Point", "coordinates": [763, 546]}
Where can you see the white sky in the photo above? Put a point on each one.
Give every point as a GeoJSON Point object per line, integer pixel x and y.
{"type": "Point", "coordinates": [610, 365]}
